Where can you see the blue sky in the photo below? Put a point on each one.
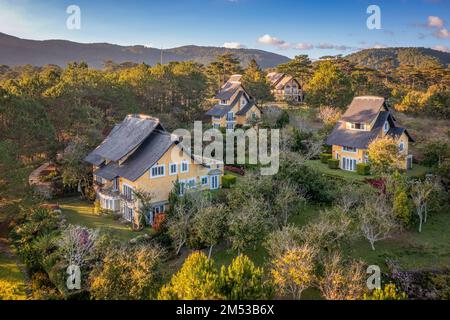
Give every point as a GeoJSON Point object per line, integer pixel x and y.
{"type": "Point", "coordinates": [288, 27]}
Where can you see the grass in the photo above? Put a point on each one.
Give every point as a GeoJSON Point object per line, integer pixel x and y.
{"type": "Point", "coordinates": [417, 171]}
{"type": "Point", "coordinates": [78, 212]}
{"type": "Point", "coordinates": [336, 173]}
{"type": "Point", "coordinates": [12, 280]}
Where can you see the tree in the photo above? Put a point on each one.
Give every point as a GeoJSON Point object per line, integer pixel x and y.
{"type": "Point", "coordinates": [241, 280]}
{"type": "Point", "coordinates": [293, 273]}
{"type": "Point", "coordinates": [329, 86]}
{"type": "Point", "coordinates": [286, 202]}
{"type": "Point", "coordinates": [248, 224]}
{"type": "Point", "coordinates": [209, 225]}
{"type": "Point", "coordinates": [145, 206]}
{"type": "Point", "coordinates": [128, 273]}
{"type": "Point", "coordinates": [196, 280]}
{"type": "Point", "coordinates": [435, 152]}
{"type": "Point", "coordinates": [384, 155]}
{"type": "Point", "coordinates": [280, 241]}
{"type": "Point", "coordinates": [220, 70]}
{"type": "Point", "coordinates": [342, 280]}
{"type": "Point", "coordinates": [77, 244]}
{"type": "Point", "coordinates": [376, 219]}
{"type": "Point", "coordinates": [300, 68]}
{"type": "Point", "coordinates": [420, 194]}
{"type": "Point", "coordinates": [389, 292]}
{"type": "Point", "coordinates": [255, 82]}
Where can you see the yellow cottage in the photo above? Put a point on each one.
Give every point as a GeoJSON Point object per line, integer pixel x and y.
{"type": "Point", "coordinates": [234, 106]}
{"type": "Point", "coordinates": [139, 155]}
{"type": "Point", "coordinates": [366, 119]}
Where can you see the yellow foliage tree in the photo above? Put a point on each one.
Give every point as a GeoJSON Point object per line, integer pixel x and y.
{"type": "Point", "coordinates": [384, 155]}
{"type": "Point", "coordinates": [293, 272]}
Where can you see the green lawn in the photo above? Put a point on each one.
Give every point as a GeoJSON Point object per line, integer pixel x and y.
{"type": "Point", "coordinates": [12, 280]}
{"type": "Point", "coordinates": [78, 212]}
{"type": "Point", "coordinates": [417, 171]}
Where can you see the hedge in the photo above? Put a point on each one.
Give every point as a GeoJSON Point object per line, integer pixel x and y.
{"type": "Point", "coordinates": [324, 157]}
{"type": "Point", "coordinates": [363, 169]}
{"type": "Point", "coordinates": [333, 164]}
{"type": "Point", "coordinates": [228, 180]}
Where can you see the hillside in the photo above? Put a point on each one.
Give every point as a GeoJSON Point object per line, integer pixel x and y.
{"type": "Point", "coordinates": [374, 58]}
{"type": "Point", "coordinates": [15, 51]}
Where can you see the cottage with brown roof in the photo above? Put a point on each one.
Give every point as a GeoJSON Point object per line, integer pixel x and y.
{"type": "Point", "coordinates": [234, 106]}
{"type": "Point", "coordinates": [366, 119]}
{"type": "Point", "coordinates": [139, 155]}
{"type": "Point", "coordinates": [285, 87]}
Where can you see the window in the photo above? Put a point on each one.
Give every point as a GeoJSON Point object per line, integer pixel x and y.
{"type": "Point", "coordinates": [230, 116]}
{"type": "Point", "coordinates": [173, 169]}
{"type": "Point", "coordinates": [243, 102]}
{"type": "Point", "coordinates": [182, 188]}
{"type": "Point", "coordinates": [386, 127]}
{"type": "Point", "coordinates": [216, 125]}
{"type": "Point", "coordinates": [128, 213]}
{"type": "Point", "coordinates": [158, 209]}
{"type": "Point", "coordinates": [191, 183]}
{"type": "Point", "coordinates": [350, 149]}
{"type": "Point", "coordinates": [358, 126]}
{"type": "Point", "coordinates": [99, 179]}
{"type": "Point", "coordinates": [116, 184]}
{"type": "Point", "coordinates": [216, 118]}
{"type": "Point", "coordinates": [184, 167]}
{"type": "Point", "coordinates": [204, 180]}
{"type": "Point", "coordinates": [157, 171]}
{"type": "Point", "coordinates": [230, 126]}
{"type": "Point", "coordinates": [127, 191]}
{"type": "Point", "coordinates": [214, 182]}
{"type": "Point", "coordinates": [401, 147]}
{"type": "Point", "coordinates": [224, 102]}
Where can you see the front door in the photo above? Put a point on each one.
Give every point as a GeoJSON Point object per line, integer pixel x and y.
{"type": "Point", "coordinates": [214, 182]}
{"type": "Point", "coordinates": [348, 164]}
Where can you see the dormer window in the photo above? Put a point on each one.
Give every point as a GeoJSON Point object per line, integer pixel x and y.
{"type": "Point", "coordinates": [224, 102]}
{"type": "Point", "coordinates": [358, 126]}
{"type": "Point", "coordinates": [386, 127]}
{"type": "Point", "coordinates": [243, 102]}
{"type": "Point", "coordinates": [401, 147]}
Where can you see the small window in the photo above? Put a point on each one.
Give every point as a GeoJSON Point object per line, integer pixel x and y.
{"type": "Point", "coordinates": [358, 126]}
{"type": "Point", "coordinates": [173, 169]}
{"type": "Point", "coordinates": [350, 149]}
{"type": "Point", "coordinates": [182, 188]}
{"type": "Point", "coordinates": [184, 167]}
{"type": "Point", "coordinates": [157, 171]}
{"type": "Point", "coordinates": [386, 126]}
{"type": "Point", "coordinates": [224, 102]}
{"type": "Point", "coordinates": [402, 146]}
{"type": "Point", "coordinates": [192, 183]}
{"type": "Point", "coordinates": [204, 181]}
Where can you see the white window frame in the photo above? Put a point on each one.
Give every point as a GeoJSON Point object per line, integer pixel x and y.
{"type": "Point", "coordinates": [124, 185]}
{"type": "Point", "coordinates": [170, 168]}
{"type": "Point", "coordinates": [231, 113]}
{"type": "Point", "coordinates": [362, 124]}
{"type": "Point", "coordinates": [116, 184]}
{"type": "Point", "coordinates": [201, 181]}
{"type": "Point", "coordinates": [345, 149]}
{"type": "Point", "coordinates": [157, 167]}
{"type": "Point", "coordinates": [187, 166]}
{"type": "Point", "coordinates": [211, 180]}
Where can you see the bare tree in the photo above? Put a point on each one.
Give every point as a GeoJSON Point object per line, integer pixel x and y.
{"type": "Point", "coordinates": [288, 197]}
{"type": "Point", "coordinates": [77, 244]}
{"type": "Point", "coordinates": [420, 194]}
{"type": "Point", "coordinates": [376, 219]}
{"type": "Point", "coordinates": [342, 280]}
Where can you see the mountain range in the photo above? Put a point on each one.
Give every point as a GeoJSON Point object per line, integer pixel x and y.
{"type": "Point", "coordinates": [16, 51]}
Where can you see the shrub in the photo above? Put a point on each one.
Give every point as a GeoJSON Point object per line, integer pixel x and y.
{"type": "Point", "coordinates": [324, 157]}
{"type": "Point", "coordinates": [363, 169]}
{"type": "Point", "coordinates": [228, 180]}
{"type": "Point", "coordinates": [333, 164]}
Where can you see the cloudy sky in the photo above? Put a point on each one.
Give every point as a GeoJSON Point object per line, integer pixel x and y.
{"type": "Point", "coordinates": [288, 27]}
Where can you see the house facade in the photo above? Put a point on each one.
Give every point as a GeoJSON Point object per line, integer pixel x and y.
{"type": "Point", "coordinates": [366, 119]}
{"type": "Point", "coordinates": [285, 87]}
{"type": "Point", "coordinates": [234, 106]}
{"type": "Point", "coordinates": [139, 155]}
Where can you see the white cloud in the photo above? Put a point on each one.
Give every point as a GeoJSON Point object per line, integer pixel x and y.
{"type": "Point", "coordinates": [304, 46]}
{"type": "Point", "coordinates": [269, 40]}
{"type": "Point", "coordinates": [379, 46]}
{"type": "Point", "coordinates": [443, 33]}
{"type": "Point", "coordinates": [234, 45]}
{"type": "Point", "coordinates": [435, 22]}
{"type": "Point", "coordinates": [330, 46]}
{"type": "Point", "coordinates": [441, 48]}
{"type": "Point", "coordinates": [149, 45]}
